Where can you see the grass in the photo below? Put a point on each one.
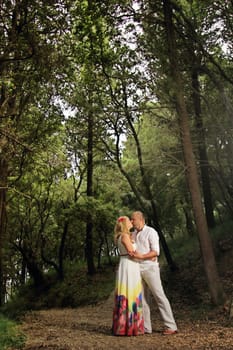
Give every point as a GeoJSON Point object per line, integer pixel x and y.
{"type": "Point", "coordinates": [10, 337]}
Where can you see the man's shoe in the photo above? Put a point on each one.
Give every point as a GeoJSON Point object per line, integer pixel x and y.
{"type": "Point", "coordinates": [169, 331]}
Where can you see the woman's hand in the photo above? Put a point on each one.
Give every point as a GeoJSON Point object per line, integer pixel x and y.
{"type": "Point", "coordinates": [131, 253]}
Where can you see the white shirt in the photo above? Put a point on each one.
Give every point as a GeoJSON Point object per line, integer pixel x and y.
{"type": "Point", "coordinates": [147, 239]}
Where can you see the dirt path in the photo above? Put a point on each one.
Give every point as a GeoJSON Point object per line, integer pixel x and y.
{"type": "Point", "coordinates": [89, 328]}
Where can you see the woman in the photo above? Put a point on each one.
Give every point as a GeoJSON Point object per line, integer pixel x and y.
{"type": "Point", "coordinates": [127, 313]}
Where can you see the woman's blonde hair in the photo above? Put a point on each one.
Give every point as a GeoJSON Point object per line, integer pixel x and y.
{"type": "Point", "coordinates": [120, 227]}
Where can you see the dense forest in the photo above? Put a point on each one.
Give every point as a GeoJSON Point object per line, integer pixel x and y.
{"type": "Point", "coordinates": [107, 107]}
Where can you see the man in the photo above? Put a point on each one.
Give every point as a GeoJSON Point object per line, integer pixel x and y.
{"type": "Point", "coordinates": [147, 241]}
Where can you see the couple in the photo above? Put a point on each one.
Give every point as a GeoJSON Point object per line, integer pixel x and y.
{"type": "Point", "coordinates": [138, 267]}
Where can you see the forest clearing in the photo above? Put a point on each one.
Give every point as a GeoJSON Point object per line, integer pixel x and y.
{"type": "Point", "coordinates": [200, 326]}
{"type": "Point", "coordinates": [89, 328]}
{"type": "Point", "coordinates": [106, 108]}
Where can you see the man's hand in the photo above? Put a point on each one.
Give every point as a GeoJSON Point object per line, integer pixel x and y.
{"type": "Point", "coordinates": [150, 256]}
{"type": "Point", "coordinates": [137, 255]}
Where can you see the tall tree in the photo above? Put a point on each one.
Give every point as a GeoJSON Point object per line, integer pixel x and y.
{"type": "Point", "coordinates": [215, 287]}
{"type": "Point", "coordinates": [28, 39]}
{"type": "Point", "coordinates": [89, 227]}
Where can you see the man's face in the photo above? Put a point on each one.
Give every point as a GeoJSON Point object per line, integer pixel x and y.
{"type": "Point", "coordinates": [137, 221]}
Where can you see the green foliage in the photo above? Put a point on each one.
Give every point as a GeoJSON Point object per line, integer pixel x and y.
{"type": "Point", "coordinates": [10, 337]}
{"type": "Point", "coordinates": [80, 289]}
{"type": "Point", "coordinates": [161, 152]}
{"type": "Point", "coordinates": [77, 288]}
{"type": "Point", "coordinates": [95, 69]}
{"type": "Point", "coordinates": [186, 249]}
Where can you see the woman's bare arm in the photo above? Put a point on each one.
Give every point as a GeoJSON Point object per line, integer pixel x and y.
{"type": "Point", "coordinates": [125, 239]}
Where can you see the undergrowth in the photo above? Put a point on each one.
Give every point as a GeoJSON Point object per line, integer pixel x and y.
{"type": "Point", "coordinates": [10, 337]}
{"type": "Point", "coordinates": [78, 289]}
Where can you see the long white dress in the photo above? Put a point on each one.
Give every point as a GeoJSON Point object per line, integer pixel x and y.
{"type": "Point", "coordinates": [127, 313]}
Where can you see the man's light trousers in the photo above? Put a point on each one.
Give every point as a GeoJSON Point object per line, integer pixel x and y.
{"type": "Point", "coordinates": [152, 281]}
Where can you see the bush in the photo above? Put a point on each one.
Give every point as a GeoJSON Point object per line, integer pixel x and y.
{"type": "Point", "coordinates": [76, 289]}
{"type": "Point", "coordinates": [10, 337]}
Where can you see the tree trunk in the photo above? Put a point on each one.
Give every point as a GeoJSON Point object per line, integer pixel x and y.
{"type": "Point", "coordinates": [188, 220]}
{"type": "Point", "coordinates": [100, 250]}
{"type": "Point", "coordinates": [172, 265]}
{"type": "Point", "coordinates": [35, 272]}
{"type": "Point", "coordinates": [204, 163]}
{"type": "Point", "coordinates": [23, 274]}
{"type": "Point", "coordinates": [89, 225]}
{"type": "Point", "coordinates": [107, 246]}
{"type": "Point", "coordinates": [215, 286]}
{"type": "Point", "coordinates": [61, 250]}
{"type": "Point", "coordinates": [152, 211]}
{"type": "Point", "coordinates": [33, 268]}
{"type": "Point", "coordinates": [3, 189]}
